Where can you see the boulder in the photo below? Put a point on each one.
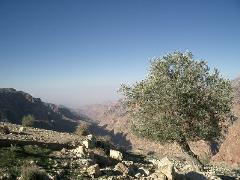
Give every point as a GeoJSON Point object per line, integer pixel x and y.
{"type": "Point", "coordinates": [122, 168]}
{"type": "Point", "coordinates": [94, 171]}
{"type": "Point", "coordinates": [144, 171]}
{"type": "Point", "coordinates": [166, 167]}
{"type": "Point", "coordinates": [63, 151]}
{"type": "Point", "coordinates": [158, 176]}
{"type": "Point", "coordinates": [80, 151]}
{"type": "Point", "coordinates": [21, 129]}
{"type": "Point", "coordinates": [87, 143]}
{"type": "Point", "coordinates": [90, 137]}
{"type": "Point", "coordinates": [116, 155]}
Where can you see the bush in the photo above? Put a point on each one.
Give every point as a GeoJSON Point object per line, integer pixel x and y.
{"type": "Point", "coordinates": [28, 120]}
{"type": "Point", "coordinates": [180, 100]}
{"type": "Point", "coordinates": [33, 173]}
{"type": "Point", "coordinates": [4, 129]}
{"type": "Point", "coordinates": [82, 129]}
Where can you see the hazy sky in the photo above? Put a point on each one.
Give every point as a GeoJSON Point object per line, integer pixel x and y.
{"type": "Point", "coordinates": [77, 52]}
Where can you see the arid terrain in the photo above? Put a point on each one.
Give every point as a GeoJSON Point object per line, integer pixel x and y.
{"type": "Point", "coordinates": [110, 151]}
{"type": "Point", "coordinates": [69, 156]}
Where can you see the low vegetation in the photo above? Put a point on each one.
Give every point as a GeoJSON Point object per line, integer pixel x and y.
{"type": "Point", "coordinates": [28, 120]}
{"type": "Point", "coordinates": [82, 129]}
{"type": "Point", "coordinates": [4, 129]}
{"type": "Point", "coordinates": [13, 158]}
{"type": "Point", "coordinates": [31, 172]}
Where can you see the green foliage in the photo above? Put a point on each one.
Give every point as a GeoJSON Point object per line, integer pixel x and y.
{"type": "Point", "coordinates": [180, 99]}
{"type": "Point", "coordinates": [82, 129]}
{"type": "Point", "coordinates": [28, 120]}
{"type": "Point", "coordinates": [14, 157]}
{"type": "Point", "coordinates": [206, 158]}
{"type": "Point", "coordinates": [30, 172]}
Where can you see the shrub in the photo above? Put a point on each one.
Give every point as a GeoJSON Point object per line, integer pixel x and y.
{"type": "Point", "coordinates": [33, 173]}
{"type": "Point", "coordinates": [82, 129]}
{"type": "Point", "coordinates": [28, 120]}
{"type": "Point", "coordinates": [180, 100]}
{"type": "Point", "coordinates": [104, 142]}
{"type": "Point", "coordinates": [4, 129]}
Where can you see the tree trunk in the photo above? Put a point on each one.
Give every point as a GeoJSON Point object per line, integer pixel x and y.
{"type": "Point", "coordinates": [187, 150]}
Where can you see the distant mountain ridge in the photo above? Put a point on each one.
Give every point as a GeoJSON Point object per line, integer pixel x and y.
{"type": "Point", "coordinates": [16, 104]}
{"type": "Point", "coordinates": [236, 89]}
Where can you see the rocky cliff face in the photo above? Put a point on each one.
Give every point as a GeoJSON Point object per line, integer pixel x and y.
{"type": "Point", "coordinates": [16, 104]}
{"type": "Point", "coordinates": [236, 89]}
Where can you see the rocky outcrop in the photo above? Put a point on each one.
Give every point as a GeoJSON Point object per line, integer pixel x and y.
{"type": "Point", "coordinates": [116, 155]}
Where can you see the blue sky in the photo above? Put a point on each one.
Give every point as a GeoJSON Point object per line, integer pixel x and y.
{"type": "Point", "coordinates": [78, 52]}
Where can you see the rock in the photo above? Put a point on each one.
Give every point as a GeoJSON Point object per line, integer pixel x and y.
{"type": "Point", "coordinates": [116, 155]}
{"type": "Point", "coordinates": [86, 162]}
{"type": "Point", "coordinates": [158, 176]}
{"type": "Point", "coordinates": [90, 137]}
{"type": "Point", "coordinates": [94, 171]}
{"type": "Point", "coordinates": [21, 129]}
{"type": "Point", "coordinates": [138, 175]}
{"type": "Point", "coordinates": [128, 163]}
{"type": "Point", "coordinates": [214, 178]}
{"type": "Point", "coordinates": [80, 151]}
{"type": "Point", "coordinates": [87, 144]}
{"type": "Point", "coordinates": [144, 171]}
{"type": "Point", "coordinates": [122, 168]}
{"type": "Point", "coordinates": [166, 167]}
{"type": "Point", "coordinates": [63, 151]}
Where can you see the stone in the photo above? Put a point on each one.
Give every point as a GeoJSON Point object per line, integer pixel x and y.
{"type": "Point", "coordinates": [80, 151]}
{"type": "Point", "coordinates": [138, 175]}
{"type": "Point", "coordinates": [94, 171]}
{"type": "Point", "coordinates": [158, 176]}
{"type": "Point", "coordinates": [21, 129]}
{"type": "Point", "coordinates": [86, 162]}
{"type": "Point", "coordinates": [116, 155]}
{"type": "Point", "coordinates": [128, 163]}
{"type": "Point", "coordinates": [166, 167]}
{"type": "Point", "coordinates": [145, 171]}
{"type": "Point", "coordinates": [90, 137]}
{"type": "Point", "coordinates": [63, 151]}
{"type": "Point", "coordinates": [214, 178]}
{"type": "Point", "coordinates": [122, 168]}
{"type": "Point", "coordinates": [87, 144]}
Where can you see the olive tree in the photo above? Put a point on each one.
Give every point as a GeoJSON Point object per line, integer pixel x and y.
{"type": "Point", "coordinates": [180, 100]}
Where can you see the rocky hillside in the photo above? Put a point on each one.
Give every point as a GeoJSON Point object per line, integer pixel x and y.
{"type": "Point", "coordinates": [31, 153]}
{"type": "Point", "coordinates": [16, 104]}
{"type": "Point", "coordinates": [236, 88]}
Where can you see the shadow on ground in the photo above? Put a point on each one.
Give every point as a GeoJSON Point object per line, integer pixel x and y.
{"type": "Point", "coordinates": [119, 139]}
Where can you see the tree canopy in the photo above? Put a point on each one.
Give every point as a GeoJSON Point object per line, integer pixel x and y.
{"type": "Point", "coordinates": [180, 99]}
